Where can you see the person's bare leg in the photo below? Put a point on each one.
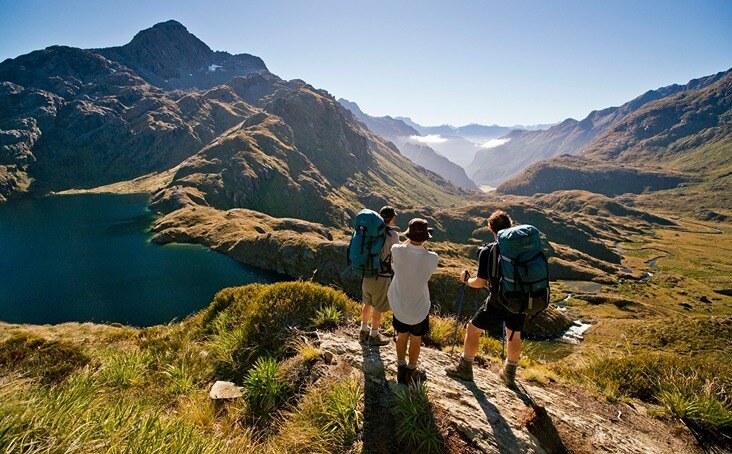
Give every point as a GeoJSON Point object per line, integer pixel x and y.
{"type": "Point", "coordinates": [375, 320]}
{"type": "Point", "coordinates": [472, 340]}
{"type": "Point", "coordinates": [401, 346]}
{"type": "Point", "coordinates": [365, 314]}
{"type": "Point", "coordinates": [415, 344]}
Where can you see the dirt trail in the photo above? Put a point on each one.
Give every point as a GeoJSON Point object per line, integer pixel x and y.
{"type": "Point", "coordinates": [491, 418]}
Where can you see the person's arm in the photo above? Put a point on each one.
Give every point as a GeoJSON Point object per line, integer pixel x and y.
{"type": "Point", "coordinates": [481, 280]}
{"type": "Point", "coordinates": [474, 282]}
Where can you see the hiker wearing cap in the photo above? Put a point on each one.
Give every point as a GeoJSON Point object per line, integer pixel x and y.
{"type": "Point", "coordinates": [409, 297]}
{"type": "Point", "coordinates": [491, 313]}
{"type": "Point", "coordinates": [374, 288]}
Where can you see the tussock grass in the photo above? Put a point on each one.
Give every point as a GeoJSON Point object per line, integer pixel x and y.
{"type": "Point", "coordinates": [694, 389]}
{"type": "Point", "coordinates": [539, 374]}
{"type": "Point", "coordinates": [50, 361]}
{"type": "Point", "coordinates": [123, 370]}
{"type": "Point", "coordinates": [442, 330]}
{"type": "Point", "coordinates": [76, 417]}
{"type": "Point", "coordinates": [305, 349]}
{"type": "Point", "coordinates": [328, 317]}
{"type": "Point", "coordinates": [149, 391]}
{"type": "Point", "coordinates": [416, 427]}
{"type": "Point", "coordinates": [327, 420]}
{"type": "Point", "coordinates": [264, 390]}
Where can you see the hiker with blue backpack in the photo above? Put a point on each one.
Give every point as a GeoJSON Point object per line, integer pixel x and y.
{"type": "Point", "coordinates": [515, 269]}
{"type": "Point", "coordinates": [369, 255]}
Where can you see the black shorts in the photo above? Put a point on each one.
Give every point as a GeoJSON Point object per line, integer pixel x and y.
{"type": "Point", "coordinates": [493, 313]}
{"type": "Point", "coordinates": [420, 329]}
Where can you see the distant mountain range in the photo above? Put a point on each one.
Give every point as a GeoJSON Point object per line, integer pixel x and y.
{"type": "Point", "coordinates": [658, 140]}
{"type": "Point", "coordinates": [495, 165]}
{"type": "Point", "coordinates": [403, 137]}
{"type": "Point", "coordinates": [233, 134]}
{"type": "Point", "coordinates": [475, 132]}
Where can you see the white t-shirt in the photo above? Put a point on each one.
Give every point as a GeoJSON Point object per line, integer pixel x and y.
{"type": "Point", "coordinates": [409, 296]}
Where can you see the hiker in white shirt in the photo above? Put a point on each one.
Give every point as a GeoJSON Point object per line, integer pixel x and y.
{"type": "Point", "coordinates": [409, 297]}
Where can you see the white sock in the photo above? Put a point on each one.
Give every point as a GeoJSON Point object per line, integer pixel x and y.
{"type": "Point", "coordinates": [374, 332]}
{"type": "Point", "coordinates": [401, 362]}
{"type": "Point", "coordinates": [365, 326]}
{"type": "Point", "coordinates": [412, 366]}
{"type": "Point", "coordinates": [511, 363]}
{"type": "Point", "coordinates": [468, 359]}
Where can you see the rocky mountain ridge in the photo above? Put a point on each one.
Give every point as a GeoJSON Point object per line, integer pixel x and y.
{"type": "Point", "coordinates": [75, 118]}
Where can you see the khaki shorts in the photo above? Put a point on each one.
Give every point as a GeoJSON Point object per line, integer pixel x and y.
{"type": "Point", "coordinates": [374, 292]}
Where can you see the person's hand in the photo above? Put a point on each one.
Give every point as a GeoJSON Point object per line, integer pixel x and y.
{"type": "Point", "coordinates": [464, 275]}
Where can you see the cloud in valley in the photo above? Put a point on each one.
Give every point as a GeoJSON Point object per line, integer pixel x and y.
{"type": "Point", "coordinates": [432, 138]}
{"type": "Point", "coordinates": [494, 143]}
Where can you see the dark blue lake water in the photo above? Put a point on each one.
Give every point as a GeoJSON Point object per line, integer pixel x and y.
{"type": "Point", "coordinates": [89, 258]}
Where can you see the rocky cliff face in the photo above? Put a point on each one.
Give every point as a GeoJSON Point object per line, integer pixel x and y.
{"type": "Point", "coordinates": [495, 165]}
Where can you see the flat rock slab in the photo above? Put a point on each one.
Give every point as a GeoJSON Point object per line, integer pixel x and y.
{"type": "Point", "coordinates": [225, 390]}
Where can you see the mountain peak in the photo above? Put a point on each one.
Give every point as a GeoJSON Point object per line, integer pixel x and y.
{"type": "Point", "coordinates": [168, 55]}
{"type": "Point", "coordinates": [171, 24]}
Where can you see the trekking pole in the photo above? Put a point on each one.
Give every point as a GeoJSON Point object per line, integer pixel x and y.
{"type": "Point", "coordinates": [457, 319]}
{"type": "Point", "coordinates": [503, 342]}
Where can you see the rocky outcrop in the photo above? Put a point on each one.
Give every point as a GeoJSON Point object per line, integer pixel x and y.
{"type": "Point", "coordinates": [491, 418]}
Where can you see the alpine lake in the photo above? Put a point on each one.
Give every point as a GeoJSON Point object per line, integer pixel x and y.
{"type": "Point", "coordinates": [89, 258]}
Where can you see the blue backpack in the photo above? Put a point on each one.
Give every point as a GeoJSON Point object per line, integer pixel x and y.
{"type": "Point", "coordinates": [520, 270]}
{"type": "Point", "coordinates": [364, 250]}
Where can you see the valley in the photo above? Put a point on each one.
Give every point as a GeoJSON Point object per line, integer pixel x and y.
{"type": "Point", "coordinates": [633, 203]}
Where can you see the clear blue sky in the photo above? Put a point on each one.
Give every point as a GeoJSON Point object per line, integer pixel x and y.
{"type": "Point", "coordinates": [452, 62]}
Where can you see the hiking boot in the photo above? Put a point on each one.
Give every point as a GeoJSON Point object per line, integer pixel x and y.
{"type": "Point", "coordinates": [402, 375]}
{"type": "Point", "coordinates": [363, 336]}
{"type": "Point", "coordinates": [378, 340]}
{"type": "Point", "coordinates": [463, 370]}
{"type": "Point", "coordinates": [508, 375]}
{"type": "Point", "coordinates": [416, 376]}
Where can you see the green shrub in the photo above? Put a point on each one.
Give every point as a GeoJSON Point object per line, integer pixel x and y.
{"type": "Point", "coordinates": [416, 426]}
{"type": "Point", "coordinates": [260, 322]}
{"type": "Point", "coordinates": [264, 391]}
{"type": "Point", "coordinates": [50, 361]}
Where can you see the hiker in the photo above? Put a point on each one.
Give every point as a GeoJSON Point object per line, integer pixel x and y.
{"type": "Point", "coordinates": [492, 312]}
{"type": "Point", "coordinates": [409, 297]}
{"type": "Point", "coordinates": [374, 288]}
